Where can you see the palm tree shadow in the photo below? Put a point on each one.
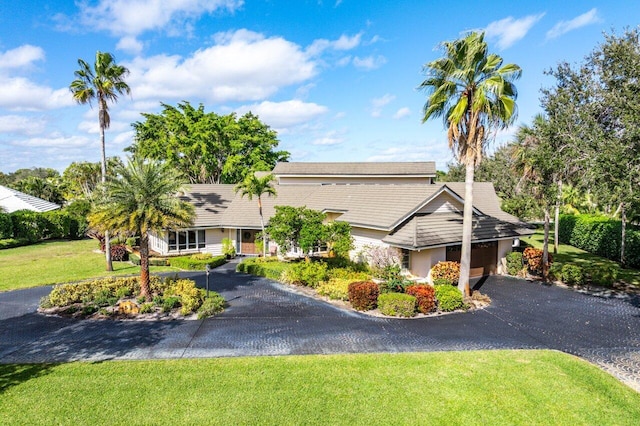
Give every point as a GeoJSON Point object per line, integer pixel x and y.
{"type": "Point", "coordinates": [16, 374]}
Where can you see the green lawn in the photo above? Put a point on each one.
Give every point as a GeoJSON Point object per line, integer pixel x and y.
{"type": "Point", "coordinates": [52, 262]}
{"type": "Point", "coordinates": [570, 254]}
{"type": "Point", "coordinates": [480, 387]}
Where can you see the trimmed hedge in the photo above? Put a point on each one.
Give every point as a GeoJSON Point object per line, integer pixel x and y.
{"type": "Point", "coordinates": [363, 295]}
{"type": "Point", "coordinates": [335, 288]}
{"type": "Point", "coordinates": [425, 297]}
{"type": "Point", "coordinates": [306, 273]}
{"type": "Point", "coordinates": [261, 267]}
{"type": "Point", "coordinates": [449, 298]}
{"type": "Point", "coordinates": [6, 227]}
{"type": "Point", "coordinates": [34, 226]}
{"type": "Point", "coordinates": [193, 263]}
{"type": "Point", "coordinates": [153, 261]}
{"type": "Point", "coordinates": [514, 263]}
{"type": "Point", "coordinates": [397, 304]}
{"type": "Point", "coordinates": [600, 235]}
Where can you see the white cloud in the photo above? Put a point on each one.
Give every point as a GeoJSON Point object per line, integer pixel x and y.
{"type": "Point", "coordinates": [22, 125]}
{"type": "Point", "coordinates": [509, 30]}
{"type": "Point", "coordinates": [563, 27]}
{"type": "Point", "coordinates": [331, 138]}
{"type": "Point", "coordinates": [403, 153]}
{"type": "Point", "coordinates": [22, 94]}
{"type": "Point", "coordinates": [282, 115]}
{"type": "Point", "coordinates": [378, 103]}
{"type": "Point", "coordinates": [133, 17]}
{"type": "Point", "coordinates": [402, 113]}
{"type": "Point", "coordinates": [242, 66]}
{"type": "Point", "coordinates": [130, 45]}
{"type": "Point", "coordinates": [343, 43]}
{"type": "Point", "coordinates": [57, 141]}
{"type": "Point", "coordinates": [370, 62]}
{"type": "Point", "coordinates": [21, 56]}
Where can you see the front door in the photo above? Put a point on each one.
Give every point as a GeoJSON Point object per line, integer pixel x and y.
{"type": "Point", "coordinates": [248, 241]}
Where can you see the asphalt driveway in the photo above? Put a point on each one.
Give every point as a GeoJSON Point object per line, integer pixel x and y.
{"type": "Point", "coordinates": [266, 318]}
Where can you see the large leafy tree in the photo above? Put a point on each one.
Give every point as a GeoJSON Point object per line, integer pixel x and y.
{"type": "Point", "coordinates": [143, 198]}
{"type": "Point", "coordinates": [80, 179]}
{"type": "Point", "coordinates": [257, 186]}
{"type": "Point", "coordinates": [300, 227]}
{"type": "Point", "coordinates": [205, 146]}
{"type": "Point", "coordinates": [474, 93]}
{"type": "Point", "coordinates": [103, 83]}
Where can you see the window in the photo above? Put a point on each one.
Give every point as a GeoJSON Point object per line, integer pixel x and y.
{"type": "Point", "coordinates": [187, 240]}
{"type": "Point", "coordinates": [406, 259]}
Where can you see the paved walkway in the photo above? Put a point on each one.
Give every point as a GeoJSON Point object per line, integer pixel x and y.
{"type": "Point", "coordinates": [266, 318]}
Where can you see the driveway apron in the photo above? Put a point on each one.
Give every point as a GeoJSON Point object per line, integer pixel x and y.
{"type": "Point", "coordinates": [267, 318]}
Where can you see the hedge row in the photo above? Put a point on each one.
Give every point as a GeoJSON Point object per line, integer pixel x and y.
{"type": "Point", "coordinates": [193, 263]}
{"type": "Point", "coordinates": [600, 235]}
{"type": "Point", "coordinates": [29, 226]}
{"type": "Point", "coordinates": [262, 268]}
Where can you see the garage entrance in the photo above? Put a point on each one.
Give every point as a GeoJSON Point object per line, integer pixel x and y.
{"type": "Point", "coordinates": [484, 258]}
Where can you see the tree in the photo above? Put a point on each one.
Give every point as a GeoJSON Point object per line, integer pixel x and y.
{"type": "Point", "coordinates": [80, 179]}
{"type": "Point", "coordinates": [207, 147]}
{"type": "Point", "coordinates": [254, 186]}
{"type": "Point", "coordinates": [300, 227]}
{"type": "Point", "coordinates": [474, 93]}
{"type": "Point", "coordinates": [47, 189]}
{"type": "Point", "coordinates": [338, 238]}
{"type": "Point", "coordinates": [103, 83]}
{"type": "Point", "coordinates": [142, 199]}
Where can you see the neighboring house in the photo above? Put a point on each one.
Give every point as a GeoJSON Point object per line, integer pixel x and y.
{"type": "Point", "coordinates": [12, 200]}
{"type": "Point", "coordinates": [382, 202]}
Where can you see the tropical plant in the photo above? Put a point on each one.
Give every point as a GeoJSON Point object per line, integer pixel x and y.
{"type": "Point", "coordinates": [474, 93]}
{"type": "Point", "coordinates": [254, 186]}
{"type": "Point", "coordinates": [103, 83]}
{"type": "Point", "coordinates": [142, 199]}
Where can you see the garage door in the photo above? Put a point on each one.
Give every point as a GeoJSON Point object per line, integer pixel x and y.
{"type": "Point", "coordinates": [484, 257]}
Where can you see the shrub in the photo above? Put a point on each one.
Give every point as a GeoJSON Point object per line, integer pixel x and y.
{"type": "Point", "coordinates": [449, 271]}
{"type": "Point", "coordinates": [201, 256]}
{"type": "Point", "coordinates": [514, 263]}
{"type": "Point", "coordinates": [348, 274]}
{"type": "Point", "coordinates": [146, 308]}
{"type": "Point", "coordinates": [267, 268]}
{"type": "Point", "coordinates": [227, 248]}
{"type": "Point", "coordinates": [188, 294]}
{"type": "Point", "coordinates": [602, 274]}
{"type": "Point", "coordinates": [335, 288]}
{"type": "Point", "coordinates": [306, 273]}
{"type": "Point", "coordinates": [449, 298]}
{"type": "Point", "coordinates": [212, 305]}
{"type": "Point", "coordinates": [397, 304]}
{"type": "Point", "coordinates": [572, 274]}
{"type": "Point", "coordinates": [170, 303]}
{"type": "Point", "coordinates": [6, 228]}
{"type": "Point", "coordinates": [380, 258]}
{"type": "Point", "coordinates": [425, 297]}
{"type": "Point", "coordinates": [188, 263]}
{"type": "Point", "coordinates": [13, 242]}
{"type": "Point", "coordinates": [119, 253]}
{"type": "Point", "coordinates": [533, 259]}
{"type": "Point", "coordinates": [363, 295]}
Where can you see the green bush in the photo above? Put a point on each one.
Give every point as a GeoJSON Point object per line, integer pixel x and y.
{"type": "Point", "coordinates": [335, 288]}
{"type": "Point", "coordinates": [227, 248]}
{"type": "Point", "coordinates": [602, 274]}
{"type": "Point", "coordinates": [397, 304]}
{"type": "Point", "coordinates": [306, 273]}
{"type": "Point", "coordinates": [348, 274]}
{"type": "Point", "coordinates": [189, 263]}
{"type": "Point", "coordinates": [189, 296]}
{"type": "Point", "coordinates": [602, 236]}
{"type": "Point", "coordinates": [146, 308]}
{"type": "Point", "coordinates": [514, 263]}
{"type": "Point", "coordinates": [449, 298]}
{"type": "Point", "coordinates": [212, 305]}
{"type": "Point", "coordinates": [34, 226]}
{"type": "Point", "coordinates": [268, 268]}
{"type": "Point", "coordinates": [201, 256]}
{"type": "Point", "coordinates": [449, 271]}
{"type": "Point", "coordinates": [153, 261]}
{"type": "Point", "coordinates": [170, 303]}
{"type": "Point", "coordinates": [6, 228]}
{"type": "Point", "coordinates": [444, 281]}
{"type": "Point", "coordinates": [363, 295]}
{"type": "Point", "coordinates": [13, 242]}
{"type": "Point", "coordinates": [572, 274]}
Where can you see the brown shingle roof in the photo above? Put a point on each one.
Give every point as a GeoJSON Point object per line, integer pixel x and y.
{"type": "Point", "coordinates": [422, 168]}
{"type": "Point", "coordinates": [440, 229]}
{"type": "Point", "coordinates": [210, 202]}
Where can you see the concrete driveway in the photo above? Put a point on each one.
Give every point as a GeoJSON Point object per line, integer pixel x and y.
{"type": "Point", "coordinates": [266, 318]}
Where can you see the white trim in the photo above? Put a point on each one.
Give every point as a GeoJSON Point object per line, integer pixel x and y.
{"type": "Point", "coordinates": [448, 245]}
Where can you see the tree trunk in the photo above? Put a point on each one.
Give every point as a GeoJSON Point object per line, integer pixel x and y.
{"type": "Point", "coordinates": [623, 216]}
{"type": "Point", "coordinates": [467, 224]}
{"type": "Point", "coordinates": [264, 245]}
{"type": "Point", "coordinates": [545, 245]}
{"type": "Point", "coordinates": [556, 225]}
{"type": "Point", "coordinates": [103, 169]}
{"type": "Point", "coordinates": [145, 289]}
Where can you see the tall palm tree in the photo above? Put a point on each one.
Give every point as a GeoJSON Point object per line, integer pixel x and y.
{"type": "Point", "coordinates": [142, 199]}
{"type": "Point", "coordinates": [104, 82]}
{"type": "Point", "coordinates": [474, 93]}
{"type": "Point", "coordinates": [254, 186]}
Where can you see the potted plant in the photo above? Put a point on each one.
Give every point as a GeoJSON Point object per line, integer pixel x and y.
{"type": "Point", "coordinates": [228, 249]}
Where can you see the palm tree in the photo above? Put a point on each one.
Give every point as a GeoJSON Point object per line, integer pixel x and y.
{"type": "Point", "coordinates": [103, 83]}
{"type": "Point", "coordinates": [254, 186]}
{"type": "Point", "coordinates": [474, 93]}
{"type": "Point", "coordinates": [142, 199]}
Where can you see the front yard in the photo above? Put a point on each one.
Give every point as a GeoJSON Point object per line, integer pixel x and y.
{"type": "Point", "coordinates": [478, 387]}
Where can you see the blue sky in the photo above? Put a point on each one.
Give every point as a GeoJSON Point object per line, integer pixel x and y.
{"type": "Point", "coordinates": [336, 79]}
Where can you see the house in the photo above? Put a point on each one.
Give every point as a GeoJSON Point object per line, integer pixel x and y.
{"type": "Point", "coordinates": [387, 204]}
{"type": "Point", "coordinates": [12, 200]}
